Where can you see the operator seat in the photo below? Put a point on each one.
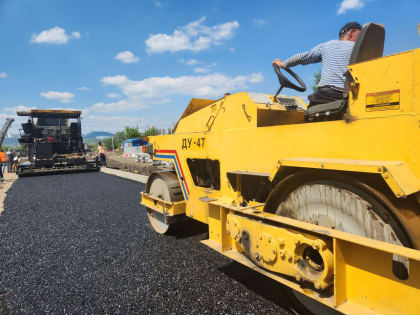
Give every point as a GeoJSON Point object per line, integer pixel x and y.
{"type": "Point", "coordinates": [74, 131]}
{"type": "Point", "coordinates": [369, 45]}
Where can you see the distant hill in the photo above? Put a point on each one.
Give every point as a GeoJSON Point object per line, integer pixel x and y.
{"type": "Point", "coordinates": [95, 134]}
{"type": "Point", "coordinates": [11, 141]}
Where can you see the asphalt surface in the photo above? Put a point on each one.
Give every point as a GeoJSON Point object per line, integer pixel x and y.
{"type": "Point", "coordinates": [80, 243]}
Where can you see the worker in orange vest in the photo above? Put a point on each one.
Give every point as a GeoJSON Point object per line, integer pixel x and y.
{"type": "Point", "coordinates": [3, 161]}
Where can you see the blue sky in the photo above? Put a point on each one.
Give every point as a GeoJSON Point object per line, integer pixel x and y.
{"type": "Point", "coordinates": [129, 63]}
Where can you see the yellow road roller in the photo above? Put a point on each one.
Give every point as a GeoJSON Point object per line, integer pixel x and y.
{"type": "Point", "coordinates": [325, 199]}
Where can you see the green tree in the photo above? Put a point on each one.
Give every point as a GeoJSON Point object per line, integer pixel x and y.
{"type": "Point", "coordinates": [128, 133]}
{"type": "Point", "coordinates": [108, 143]}
{"type": "Point", "coordinates": [119, 136]}
{"type": "Point", "coordinates": [317, 78]}
{"type": "Point", "coordinates": [131, 132]}
{"type": "Point", "coordinates": [151, 131]}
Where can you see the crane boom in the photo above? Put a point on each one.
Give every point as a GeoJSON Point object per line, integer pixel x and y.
{"type": "Point", "coordinates": [6, 127]}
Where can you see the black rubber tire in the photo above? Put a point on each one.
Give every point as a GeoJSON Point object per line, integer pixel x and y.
{"type": "Point", "coordinates": [287, 185]}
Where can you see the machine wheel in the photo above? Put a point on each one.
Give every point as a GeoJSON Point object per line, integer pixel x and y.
{"type": "Point", "coordinates": [163, 185]}
{"type": "Point", "coordinates": [338, 202]}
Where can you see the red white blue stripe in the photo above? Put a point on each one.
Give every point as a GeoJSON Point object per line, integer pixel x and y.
{"type": "Point", "coordinates": [173, 155]}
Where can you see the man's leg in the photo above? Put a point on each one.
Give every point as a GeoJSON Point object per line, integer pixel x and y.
{"type": "Point", "coordinates": [324, 94]}
{"type": "Point", "coordinates": [102, 158]}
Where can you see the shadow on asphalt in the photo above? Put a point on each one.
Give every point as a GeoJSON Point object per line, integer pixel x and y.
{"type": "Point", "coordinates": [256, 282]}
{"type": "Point", "coordinates": [58, 172]}
{"type": "Point", "coordinates": [190, 228]}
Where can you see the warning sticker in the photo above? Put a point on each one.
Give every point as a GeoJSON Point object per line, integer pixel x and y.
{"type": "Point", "coordinates": [386, 100]}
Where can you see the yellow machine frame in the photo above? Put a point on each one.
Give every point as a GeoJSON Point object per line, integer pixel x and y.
{"type": "Point", "coordinates": [253, 135]}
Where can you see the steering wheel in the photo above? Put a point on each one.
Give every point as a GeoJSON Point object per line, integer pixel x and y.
{"type": "Point", "coordinates": [285, 82]}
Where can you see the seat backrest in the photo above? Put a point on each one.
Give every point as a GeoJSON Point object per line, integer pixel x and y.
{"type": "Point", "coordinates": [369, 45]}
{"type": "Point", "coordinates": [27, 128]}
{"type": "Point", "coordinates": [74, 128]}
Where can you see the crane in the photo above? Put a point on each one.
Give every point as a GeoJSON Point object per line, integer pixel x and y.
{"type": "Point", "coordinates": [6, 127]}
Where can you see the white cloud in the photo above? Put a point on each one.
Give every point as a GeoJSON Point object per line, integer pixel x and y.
{"type": "Point", "coordinates": [55, 35]}
{"type": "Point", "coordinates": [157, 90]}
{"type": "Point", "coordinates": [126, 57]}
{"type": "Point", "coordinates": [140, 94]}
{"type": "Point", "coordinates": [207, 85]}
{"type": "Point", "coordinates": [84, 88]}
{"type": "Point", "coordinates": [202, 70]}
{"type": "Point", "coordinates": [63, 97]}
{"type": "Point", "coordinates": [256, 78]}
{"type": "Point", "coordinates": [118, 80]}
{"type": "Point", "coordinates": [112, 123]}
{"type": "Point", "coordinates": [113, 95]}
{"type": "Point", "coordinates": [4, 116]}
{"type": "Point", "coordinates": [191, 62]}
{"type": "Point", "coordinates": [14, 109]}
{"type": "Point", "coordinates": [3, 75]}
{"type": "Point", "coordinates": [125, 105]}
{"type": "Point", "coordinates": [193, 37]}
{"type": "Point", "coordinates": [350, 5]}
{"type": "Point", "coordinates": [76, 35]}
{"type": "Point", "coordinates": [259, 22]}
{"type": "Point", "coordinates": [8, 112]}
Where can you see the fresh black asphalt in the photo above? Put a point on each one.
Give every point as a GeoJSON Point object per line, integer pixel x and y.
{"type": "Point", "coordinates": [81, 244]}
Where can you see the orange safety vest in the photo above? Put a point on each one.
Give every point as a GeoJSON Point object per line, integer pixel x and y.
{"type": "Point", "coordinates": [3, 156]}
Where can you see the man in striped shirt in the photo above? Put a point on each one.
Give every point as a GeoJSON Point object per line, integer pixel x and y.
{"type": "Point", "coordinates": [335, 56]}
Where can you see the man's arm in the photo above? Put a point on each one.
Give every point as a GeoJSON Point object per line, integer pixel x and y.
{"type": "Point", "coordinates": [311, 56]}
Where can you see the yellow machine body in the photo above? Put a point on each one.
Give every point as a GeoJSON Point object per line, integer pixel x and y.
{"type": "Point", "coordinates": [250, 134]}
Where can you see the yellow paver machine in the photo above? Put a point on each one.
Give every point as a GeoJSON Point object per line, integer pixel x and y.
{"type": "Point", "coordinates": [325, 199]}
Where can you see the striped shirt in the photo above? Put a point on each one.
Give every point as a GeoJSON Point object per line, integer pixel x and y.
{"type": "Point", "coordinates": [334, 55]}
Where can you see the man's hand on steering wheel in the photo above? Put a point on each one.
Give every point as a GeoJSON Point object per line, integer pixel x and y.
{"type": "Point", "coordinates": [284, 81]}
{"type": "Point", "coordinates": [278, 63]}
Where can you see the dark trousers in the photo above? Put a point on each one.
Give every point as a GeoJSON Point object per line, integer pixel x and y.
{"type": "Point", "coordinates": [325, 94]}
{"type": "Point", "coordinates": [102, 159]}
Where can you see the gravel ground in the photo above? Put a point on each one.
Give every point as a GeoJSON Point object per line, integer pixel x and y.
{"type": "Point", "coordinates": [129, 164]}
{"type": "Point", "coordinates": [79, 243]}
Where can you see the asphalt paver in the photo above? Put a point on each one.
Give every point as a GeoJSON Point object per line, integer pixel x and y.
{"type": "Point", "coordinates": [81, 243]}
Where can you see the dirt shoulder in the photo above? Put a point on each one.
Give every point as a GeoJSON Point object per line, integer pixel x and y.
{"type": "Point", "coordinates": [9, 179]}
{"type": "Point", "coordinates": [129, 164]}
